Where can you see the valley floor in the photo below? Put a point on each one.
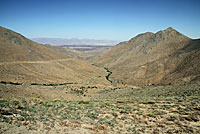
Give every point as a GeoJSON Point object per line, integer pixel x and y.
{"type": "Point", "coordinates": [93, 109]}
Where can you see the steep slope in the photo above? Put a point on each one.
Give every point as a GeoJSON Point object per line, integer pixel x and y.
{"type": "Point", "coordinates": [149, 58]}
{"type": "Point", "coordinates": [15, 47]}
{"type": "Point", "coordinates": [177, 68]}
{"type": "Point", "coordinates": [24, 61]}
{"type": "Point", "coordinates": [144, 48]}
{"type": "Point", "coordinates": [188, 68]}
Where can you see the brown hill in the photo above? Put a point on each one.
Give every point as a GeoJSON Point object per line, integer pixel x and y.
{"type": "Point", "coordinates": [24, 61]}
{"type": "Point", "coordinates": [15, 47]}
{"type": "Point", "coordinates": [164, 57]}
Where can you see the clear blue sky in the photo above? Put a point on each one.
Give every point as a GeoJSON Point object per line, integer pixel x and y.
{"type": "Point", "coordinates": [99, 19]}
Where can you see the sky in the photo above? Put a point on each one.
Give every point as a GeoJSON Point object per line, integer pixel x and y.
{"type": "Point", "coordinates": [99, 19]}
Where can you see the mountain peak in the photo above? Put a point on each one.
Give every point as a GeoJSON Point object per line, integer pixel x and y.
{"type": "Point", "coordinates": [169, 34]}
{"type": "Point", "coordinates": [170, 29]}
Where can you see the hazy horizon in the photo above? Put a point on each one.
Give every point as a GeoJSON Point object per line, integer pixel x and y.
{"type": "Point", "coordinates": [99, 19]}
{"type": "Point", "coordinates": [74, 41]}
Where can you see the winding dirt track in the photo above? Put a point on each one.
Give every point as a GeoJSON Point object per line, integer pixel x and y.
{"type": "Point", "coordinates": [52, 71]}
{"type": "Point", "coordinates": [37, 62]}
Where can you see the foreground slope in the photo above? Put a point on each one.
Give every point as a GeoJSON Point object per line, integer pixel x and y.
{"type": "Point", "coordinates": [150, 110]}
{"type": "Point", "coordinates": [24, 61]}
{"type": "Point", "coordinates": [164, 57]}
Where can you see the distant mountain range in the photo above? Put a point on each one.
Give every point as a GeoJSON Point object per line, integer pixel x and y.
{"type": "Point", "coordinates": [74, 41]}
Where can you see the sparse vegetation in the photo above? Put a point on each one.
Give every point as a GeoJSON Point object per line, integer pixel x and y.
{"type": "Point", "coordinates": [146, 111]}
{"type": "Point", "coordinates": [38, 84]}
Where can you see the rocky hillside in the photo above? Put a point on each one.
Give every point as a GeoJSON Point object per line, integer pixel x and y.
{"type": "Point", "coordinates": [167, 57]}
{"type": "Point", "coordinates": [15, 47]}
{"type": "Point", "coordinates": [24, 61]}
